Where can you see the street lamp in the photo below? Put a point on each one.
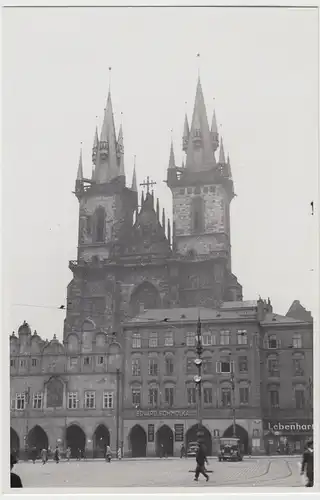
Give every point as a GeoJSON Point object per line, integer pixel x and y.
{"type": "Point", "coordinates": [233, 402]}
{"type": "Point", "coordinates": [26, 441]}
{"type": "Point", "coordinates": [198, 378]}
{"type": "Point", "coordinates": [118, 405]}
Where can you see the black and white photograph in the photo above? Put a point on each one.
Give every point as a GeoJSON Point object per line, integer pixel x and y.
{"type": "Point", "coordinates": [160, 248]}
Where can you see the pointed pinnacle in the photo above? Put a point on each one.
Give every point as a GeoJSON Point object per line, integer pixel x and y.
{"type": "Point", "coordinates": [158, 209]}
{"type": "Point", "coordinates": [80, 168]}
{"type": "Point", "coordinates": [172, 162]}
{"type": "Point", "coordinates": [134, 179]}
{"type": "Point", "coordinates": [214, 126]}
{"type": "Point", "coordinates": [96, 139]}
{"type": "Point", "coordinates": [163, 219]}
{"type": "Point", "coordinates": [222, 158]}
{"type": "Point", "coordinates": [186, 129]}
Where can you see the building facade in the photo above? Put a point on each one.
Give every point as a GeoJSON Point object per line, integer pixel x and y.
{"type": "Point", "coordinates": [134, 268]}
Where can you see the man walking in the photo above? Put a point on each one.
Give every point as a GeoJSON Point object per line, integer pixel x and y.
{"type": "Point", "coordinates": [307, 463]}
{"type": "Point", "coordinates": [201, 460]}
{"type": "Point", "coordinates": [44, 456]}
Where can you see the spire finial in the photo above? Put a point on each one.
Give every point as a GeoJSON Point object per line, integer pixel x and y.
{"type": "Point", "coordinates": [110, 68]}
{"type": "Point", "coordinates": [198, 59]}
{"type": "Point", "coordinates": [80, 166]}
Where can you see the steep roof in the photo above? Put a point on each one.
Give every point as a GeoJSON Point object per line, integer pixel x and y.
{"type": "Point", "coordinates": [297, 311]}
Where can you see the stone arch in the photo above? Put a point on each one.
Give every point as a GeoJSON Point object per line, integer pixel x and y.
{"type": "Point", "coordinates": [195, 432]}
{"type": "Point", "coordinates": [164, 441]}
{"type": "Point", "coordinates": [14, 442]}
{"type": "Point", "coordinates": [101, 439]}
{"type": "Point", "coordinates": [138, 441]}
{"type": "Point", "coordinates": [242, 434]}
{"type": "Point", "coordinates": [37, 439]}
{"type": "Point", "coordinates": [147, 295]}
{"type": "Point", "coordinates": [75, 439]}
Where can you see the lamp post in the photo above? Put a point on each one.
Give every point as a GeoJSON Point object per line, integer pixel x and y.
{"type": "Point", "coordinates": [26, 442]}
{"type": "Point", "coordinates": [233, 401]}
{"type": "Point", "coordinates": [118, 407]}
{"type": "Point", "coordinates": [198, 377]}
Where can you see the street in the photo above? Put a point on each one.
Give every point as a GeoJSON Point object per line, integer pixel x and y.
{"type": "Point", "coordinates": [172, 472]}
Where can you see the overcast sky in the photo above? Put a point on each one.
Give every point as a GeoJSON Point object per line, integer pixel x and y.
{"type": "Point", "coordinates": [259, 70]}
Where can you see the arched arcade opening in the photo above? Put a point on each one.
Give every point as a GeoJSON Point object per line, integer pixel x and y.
{"type": "Point", "coordinates": [37, 439]}
{"type": "Point", "coordinates": [75, 439]}
{"type": "Point", "coordinates": [138, 441]}
{"type": "Point", "coordinates": [192, 436]}
{"type": "Point", "coordinates": [242, 434]}
{"type": "Point", "coordinates": [164, 441]}
{"type": "Point", "coordinates": [101, 439]}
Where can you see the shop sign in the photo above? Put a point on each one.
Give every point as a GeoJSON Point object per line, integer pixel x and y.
{"type": "Point", "coordinates": [294, 427]}
{"type": "Point", "coordinates": [164, 413]}
{"type": "Point", "coordinates": [178, 432]}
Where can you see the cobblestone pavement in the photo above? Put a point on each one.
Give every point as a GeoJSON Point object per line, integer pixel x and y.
{"type": "Point", "coordinates": [275, 472]}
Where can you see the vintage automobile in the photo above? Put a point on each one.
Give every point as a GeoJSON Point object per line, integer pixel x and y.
{"type": "Point", "coordinates": [230, 450]}
{"type": "Point", "coordinates": [192, 449]}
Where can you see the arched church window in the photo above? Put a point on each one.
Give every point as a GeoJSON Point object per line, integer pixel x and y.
{"type": "Point", "coordinates": [99, 224]}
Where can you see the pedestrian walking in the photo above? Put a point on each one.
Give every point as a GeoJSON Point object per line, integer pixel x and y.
{"type": "Point", "coordinates": [44, 456]}
{"type": "Point", "coordinates": [34, 454]}
{"type": "Point", "coordinates": [78, 454]}
{"type": "Point", "coordinates": [307, 463]}
{"type": "Point", "coordinates": [182, 451]}
{"type": "Point", "coordinates": [201, 459]}
{"type": "Point", "coordinates": [68, 454]}
{"type": "Point", "coordinates": [56, 455]}
{"type": "Point", "coordinates": [15, 481]}
{"type": "Point", "coordinates": [108, 454]}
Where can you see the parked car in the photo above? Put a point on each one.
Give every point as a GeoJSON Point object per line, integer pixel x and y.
{"type": "Point", "coordinates": [230, 450]}
{"type": "Point", "coordinates": [192, 449]}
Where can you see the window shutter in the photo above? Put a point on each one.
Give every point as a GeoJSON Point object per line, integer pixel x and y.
{"type": "Point", "coordinates": [218, 366]}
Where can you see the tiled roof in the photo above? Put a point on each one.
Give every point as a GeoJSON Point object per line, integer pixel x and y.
{"type": "Point", "coordinates": [278, 318]}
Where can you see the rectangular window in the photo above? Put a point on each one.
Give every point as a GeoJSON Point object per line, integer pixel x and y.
{"type": "Point", "coordinates": [274, 399]}
{"type": "Point", "coordinates": [273, 367]}
{"type": "Point", "coordinates": [206, 339]}
{"type": "Point", "coordinates": [242, 337]}
{"type": "Point", "coordinates": [272, 342]}
{"type": "Point", "coordinates": [107, 400]}
{"type": "Point", "coordinates": [179, 432]}
{"type": "Point", "coordinates": [191, 367]}
{"type": "Point", "coordinates": [191, 339]}
{"type": "Point", "coordinates": [168, 340]}
{"type": "Point", "coordinates": [153, 367]}
{"type": "Point", "coordinates": [224, 337]}
{"type": "Point", "coordinates": [136, 396]}
{"type": "Point", "coordinates": [153, 340]}
{"type": "Point", "coordinates": [243, 364]}
{"type": "Point", "coordinates": [191, 394]}
{"type": "Point", "coordinates": [150, 433]}
{"type": "Point", "coordinates": [100, 360]}
{"type": "Point", "coordinates": [207, 395]}
{"type": "Point", "coordinates": [73, 361]}
{"type": "Point", "coordinates": [37, 401]}
{"type": "Point", "coordinates": [206, 366]}
{"type": "Point", "coordinates": [23, 363]}
{"type": "Point", "coordinates": [34, 362]}
{"type": "Point", "coordinates": [168, 395]}
{"type": "Point", "coordinates": [20, 401]}
{"type": "Point", "coordinates": [135, 367]}
{"type": "Point", "coordinates": [169, 366]}
{"type": "Point", "coordinates": [297, 367]}
{"type": "Point", "coordinates": [225, 397]}
{"type": "Point", "coordinates": [89, 399]}
{"type": "Point", "coordinates": [72, 400]}
{"type": "Point", "coordinates": [153, 397]}
{"type": "Point", "coordinates": [86, 360]}
{"type": "Point", "coordinates": [136, 341]}
{"type": "Point", "coordinates": [297, 341]}
{"type": "Point", "coordinates": [12, 363]}
{"type": "Point", "coordinates": [225, 366]}
{"type": "Point", "coordinates": [244, 395]}
{"type": "Point", "coordinates": [300, 399]}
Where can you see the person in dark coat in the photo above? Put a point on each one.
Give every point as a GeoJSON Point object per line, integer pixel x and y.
{"type": "Point", "coordinates": [201, 459]}
{"type": "Point", "coordinates": [307, 463]}
{"type": "Point", "coordinates": [56, 455]}
{"type": "Point", "coordinates": [182, 451]}
{"type": "Point", "coordinates": [15, 481]}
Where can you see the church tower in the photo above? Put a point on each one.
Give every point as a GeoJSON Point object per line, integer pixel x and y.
{"type": "Point", "coordinates": [202, 191]}
{"type": "Point", "coordinates": [106, 208]}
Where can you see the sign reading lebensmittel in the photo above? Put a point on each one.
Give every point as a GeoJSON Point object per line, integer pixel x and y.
{"type": "Point", "coordinates": [164, 413]}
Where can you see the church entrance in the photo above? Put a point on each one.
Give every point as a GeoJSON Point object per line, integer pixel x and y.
{"type": "Point", "coordinates": [242, 434]}
{"type": "Point", "coordinates": [101, 439]}
{"type": "Point", "coordinates": [14, 442]}
{"type": "Point", "coordinates": [164, 442]}
{"type": "Point", "coordinates": [37, 439]}
{"type": "Point", "coordinates": [138, 441]}
{"type": "Point", "coordinates": [76, 440]}
{"type": "Point", "coordinates": [192, 437]}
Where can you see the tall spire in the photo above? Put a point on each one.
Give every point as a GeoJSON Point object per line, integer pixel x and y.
{"type": "Point", "coordinates": [229, 168]}
{"type": "Point", "coordinates": [199, 152]}
{"type": "Point", "coordinates": [222, 157]}
{"type": "Point", "coordinates": [158, 209]}
{"type": "Point", "coordinates": [172, 162]}
{"type": "Point", "coordinates": [186, 133]}
{"type": "Point", "coordinates": [163, 219]}
{"type": "Point", "coordinates": [80, 168]}
{"type": "Point", "coordinates": [214, 132]}
{"type": "Point", "coordinates": [120, 152]}
{"type": "Point", "coordinates": [95, 146]}
{"type": "Point", "coordinates": [107, 161]}
{"type": "Point", "coordinates": [134, 177]}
